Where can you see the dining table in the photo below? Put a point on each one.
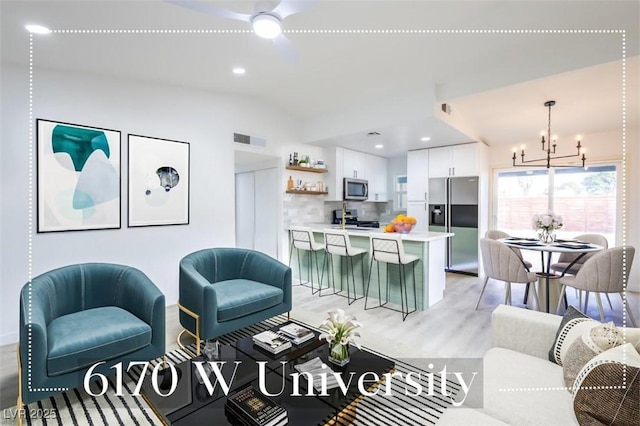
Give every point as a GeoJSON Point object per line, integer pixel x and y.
{"type": "Point", "coordinates": [548, 249]}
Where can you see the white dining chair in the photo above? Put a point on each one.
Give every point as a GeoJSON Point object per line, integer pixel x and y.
{"type": "Point", "coordinates": [607, 271]}
{"type": "Point", "coordinates": [503, 264]}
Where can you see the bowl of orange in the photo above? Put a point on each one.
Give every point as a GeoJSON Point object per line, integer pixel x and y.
{"type": "Point", "coordinates": [401, 224]}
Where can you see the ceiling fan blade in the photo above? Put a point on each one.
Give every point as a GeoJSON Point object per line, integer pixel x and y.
{"type": "Point", "coordinates": [205, 7]}
{"type": "Point", "coordinates": [289, 7]}
{"type": "Point", "coordinates": [285, 48]}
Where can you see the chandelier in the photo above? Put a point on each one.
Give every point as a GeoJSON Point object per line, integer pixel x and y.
{"type": "Point", "coordinates": [549, 148]}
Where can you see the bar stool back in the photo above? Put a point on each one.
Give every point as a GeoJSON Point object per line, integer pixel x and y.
{"type": "Point", "coordinates": [337, 242]}
{"type": "Point", "coordinates": [302, 239]}
{"type": "Point", "coordinates": [388, 248]}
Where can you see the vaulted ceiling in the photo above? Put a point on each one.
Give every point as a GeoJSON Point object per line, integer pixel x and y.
{"type": "Point", "coordinates": [494, 62]}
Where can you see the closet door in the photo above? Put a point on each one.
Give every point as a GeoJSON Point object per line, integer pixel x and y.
{"type": "Point", "coordinates": [266, 211]}
{"type": "Point", "coordinates": [245, 210]}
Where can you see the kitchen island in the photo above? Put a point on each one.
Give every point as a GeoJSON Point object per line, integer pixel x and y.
{"type": "Point", "coordinates": [429, 270]}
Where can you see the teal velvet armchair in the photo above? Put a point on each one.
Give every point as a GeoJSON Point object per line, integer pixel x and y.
{"type": "Point", "coordinates": [225, 289]}
{"type": "Point", "coordinates": [78, 315]}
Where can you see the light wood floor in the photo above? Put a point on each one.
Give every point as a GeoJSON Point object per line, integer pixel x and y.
{"type": "Point", "coordinates": [451, 328]}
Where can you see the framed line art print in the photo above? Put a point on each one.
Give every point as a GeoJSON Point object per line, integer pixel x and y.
{"type": "Point", "coordinates": [78, 177]}
{"type": "Point", "coordinates": [158, 181]}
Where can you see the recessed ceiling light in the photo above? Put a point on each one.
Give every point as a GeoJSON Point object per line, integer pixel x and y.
{"type": "Point", "coordinates": [239, 70]}
{"type": "Point", "coordinates": [379, 146]}
{"type": "Point", "coordinates": [425, 139]}
{"type": "Point", "coordinates": [37, 29]}
{"type": "Point", "coordinates": [266, 26]}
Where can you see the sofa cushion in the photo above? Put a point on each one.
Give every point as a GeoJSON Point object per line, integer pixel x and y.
{"type": "Point", "coordinates": [80, 339]}
{"type": "Point", "coordinates": [591, 343]}
{"type": "Point", "coordinates": [239, 298]}
{"type": "Point", "coordinates": [520, 389]}
{"type": "Point", "coordinates": [573, 324]}
{"type": "Point", "coordinates": [607, 392]}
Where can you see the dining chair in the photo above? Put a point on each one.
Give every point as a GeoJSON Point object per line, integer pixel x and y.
{"type": "Point", "coordinates": [605, 272]}
{"type": "Point", "coordinates": [503, 264]}
{"type": "Point", "coordinates": [570, 263]}
{"type": "Point", "coordinates": [496, 234]}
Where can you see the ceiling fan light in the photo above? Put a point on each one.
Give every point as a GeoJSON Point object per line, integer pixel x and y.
{"type": "Point", "coordinates": [266, 26]}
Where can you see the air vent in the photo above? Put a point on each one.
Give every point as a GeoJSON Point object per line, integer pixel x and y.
{"type": "Point", "coordinates": [446, 108]}
{"type": "Point", "coordinates": [249, 140]}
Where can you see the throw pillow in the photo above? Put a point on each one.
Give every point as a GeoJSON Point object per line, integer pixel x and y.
{"type": "Point", "coordinates": [582, 350]}
{"type": "Point", "coordinates": [573, 324]}
{"type": "Point", "coordinates": [607, 389]}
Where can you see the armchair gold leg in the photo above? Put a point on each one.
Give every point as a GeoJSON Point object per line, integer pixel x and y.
{"type": "Point", "coordinates": [195, 336]}
{"type": "Point", "coordinates": [19, 402]}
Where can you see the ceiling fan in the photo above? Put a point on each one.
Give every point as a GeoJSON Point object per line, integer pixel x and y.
{"type": "Point", "coordinates": [265, 21]}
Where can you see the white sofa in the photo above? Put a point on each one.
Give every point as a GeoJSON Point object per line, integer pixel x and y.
{"type": "Point", "coordinates": [521, 386]}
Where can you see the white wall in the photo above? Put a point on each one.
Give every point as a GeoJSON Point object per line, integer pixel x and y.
{"type": "Point", "coordinates": [604, 147]}
{"type": "Point", "coordinates": [206, 120]}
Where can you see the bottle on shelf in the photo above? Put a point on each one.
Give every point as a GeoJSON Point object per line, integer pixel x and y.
{"type": "Point", "coordinates": [290, 160]}
{"type": "Point", "coordinates": [295, 158]}
{"type": "Point", "coordinates": [290, 184]}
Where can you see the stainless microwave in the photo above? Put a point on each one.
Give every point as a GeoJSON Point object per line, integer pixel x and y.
{"type": "Point", "coordinates": [355, 189]}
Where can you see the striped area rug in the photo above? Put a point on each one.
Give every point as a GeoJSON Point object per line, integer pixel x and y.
{"type": "Point", "coordinates": [78, 408]}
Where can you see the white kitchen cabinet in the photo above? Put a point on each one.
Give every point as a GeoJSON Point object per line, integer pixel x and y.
{"type": "Point", "coordinates": [418, 175]}
{"type": "Point", "coordinates": [457, 160]}
{"type": "Point", "coordinates": [376, 172]}
{"type": "Point", "coordinates": [343, 163]}
{"type": "Point", "coordinates": [355, 164]}
{"type": "Point", "coordinates": [419, 210]}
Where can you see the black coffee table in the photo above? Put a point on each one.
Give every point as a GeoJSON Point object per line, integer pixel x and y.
{"type": "Point", "coordinates": [191, 403]}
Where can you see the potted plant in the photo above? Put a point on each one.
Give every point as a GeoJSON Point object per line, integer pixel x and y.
{"type": "Point", "coordinates": [339, 330]}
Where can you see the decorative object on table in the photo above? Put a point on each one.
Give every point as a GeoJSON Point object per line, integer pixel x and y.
{"type": "Point", "coordinates": [320, 373]}
{"type": "Point", "coordinates": [550, 148]}
{"type": "Point", "coordinates": [401, 224]}
{"type": "Point", "coordinates": [339, 330]}
{"type": "Point", "coordinates": [271, 342]}
{"type": "Point", "coordinates": [78, 182]}
{"type": "Point", "coordinates": [297, 334]}
{"type": "Point", "coordinates": [251, 408]}
{"type": "Point", "coordinates": [211, 350]}
{"type": "Point", "coordinates": [158, 181]}
{"type": "Point", "coordinates": [546, 225]}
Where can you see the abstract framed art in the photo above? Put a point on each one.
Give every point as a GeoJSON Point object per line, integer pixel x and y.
{"type": "Point", "coordinates": [158, 181]}
{"type": "Point", "coordinates": [78, 177]}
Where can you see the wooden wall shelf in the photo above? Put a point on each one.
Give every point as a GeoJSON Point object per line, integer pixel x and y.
{"type": "Point", "coordinates": [306, 169]}
{"type": "Point", "coordinates": [303, 192]}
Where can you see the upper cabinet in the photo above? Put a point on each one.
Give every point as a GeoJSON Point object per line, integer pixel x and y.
{"type": "Point", "coordinates": [417, 175]}
{"type": "Point", "coordinates": [343, 163]}
{"type": "Point", "coordinates": [457, 160]}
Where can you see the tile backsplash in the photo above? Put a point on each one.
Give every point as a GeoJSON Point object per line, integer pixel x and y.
{"type": "Point", "coordinates": [304, 209]}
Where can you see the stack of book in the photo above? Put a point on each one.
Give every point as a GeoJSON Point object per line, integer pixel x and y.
{"type": "Point", "coordinates": [271, 342]}
{"type": "Point", "coordinates": [249, 407]}
{"type": "Point", "coordinates": [296, 333]}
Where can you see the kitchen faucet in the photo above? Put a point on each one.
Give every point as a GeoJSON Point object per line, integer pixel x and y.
{"type": "Point", "coordinates": [343, 221]}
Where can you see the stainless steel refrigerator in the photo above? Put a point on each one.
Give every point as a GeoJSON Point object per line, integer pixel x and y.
{"type": "Point", "coordinates": [453, 207]}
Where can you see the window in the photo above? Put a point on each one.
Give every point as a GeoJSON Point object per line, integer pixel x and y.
{"type": "Point", "coordinates": [586, 199]}
{"type": "Point", "coordinates": [400, 189]}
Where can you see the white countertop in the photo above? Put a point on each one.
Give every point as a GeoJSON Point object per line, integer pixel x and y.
{"type": "Point", "coordinates": [365, 232]}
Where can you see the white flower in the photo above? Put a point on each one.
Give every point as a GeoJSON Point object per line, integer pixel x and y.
{"type": "Point", "coordinates": [338, 328]}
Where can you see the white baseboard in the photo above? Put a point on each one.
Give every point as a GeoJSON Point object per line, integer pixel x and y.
{"type": "Point", "coordinates": [7, 339]}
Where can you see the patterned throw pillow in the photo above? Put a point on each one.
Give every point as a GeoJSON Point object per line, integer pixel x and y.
{"type": "Point", "coordinates": [607, 389]}
{"type": "Point", "coordinates": [592, 342]}
{"type": "Point", "coordinates": [573, 324]}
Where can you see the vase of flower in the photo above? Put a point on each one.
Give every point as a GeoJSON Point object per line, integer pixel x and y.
{"type": "Point", "coordinates": [339, 330]}
{"type": "Point", "coordinates": [339, 354]}
{"type": "Point", "coordinates": [546, 225]}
